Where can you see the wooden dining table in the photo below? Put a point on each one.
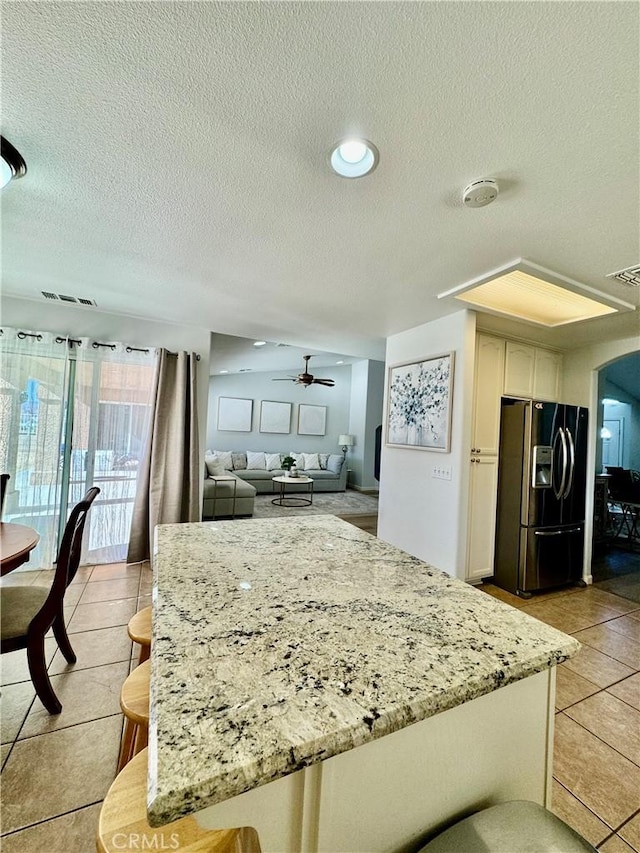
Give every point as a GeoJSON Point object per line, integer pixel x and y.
{"type": "Point", "coordinates": [17, 541]}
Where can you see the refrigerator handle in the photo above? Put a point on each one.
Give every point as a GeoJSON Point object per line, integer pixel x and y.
{"type": "Point", "coordinates": [558, 492]}
{"type": "Point", "coordinates": [572, 464]}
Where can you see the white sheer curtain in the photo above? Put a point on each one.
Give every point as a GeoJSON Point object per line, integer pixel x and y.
{"type": "Point", "coordinates": [34, 371]}
{"type": "Point", "coordinates": [74, 413]}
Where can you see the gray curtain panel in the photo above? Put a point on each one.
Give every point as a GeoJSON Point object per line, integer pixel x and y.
{"type": "Point", "coordinates": [169, 482]}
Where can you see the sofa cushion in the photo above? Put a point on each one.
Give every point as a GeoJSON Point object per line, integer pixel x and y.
{"type": "Point", "coordinates": [311, 462]}
{"type": "Point", "coordinates": [273, 461]}
{"type": "Point", "coordinates": [255, 460]}
{"type": "Point", "coordinates": [239, 460]}
{"type": "Point", "coordinates": [335, 463]}
{"type": "Point", "coordinates": [225, 458]}
{"type": "Point", "coordinates": [214, 466]}
{"type": "Point", "coordinates": [259, 474]}
{"type": "Point", "coordinates": [323, 458]}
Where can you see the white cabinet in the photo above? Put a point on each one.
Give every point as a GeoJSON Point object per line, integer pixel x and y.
{"type": "Point", "coordinates": [483, 491]}
{"type": "Point", "coordinates": [531, 372]}
{"type": "Point", "coordinates": [489, 373]}
{"type": "Point", "coordinates": [546, 378]}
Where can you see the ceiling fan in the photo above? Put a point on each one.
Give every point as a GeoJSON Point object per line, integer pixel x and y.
{"type": "Point", "coordinates": [306, 378]}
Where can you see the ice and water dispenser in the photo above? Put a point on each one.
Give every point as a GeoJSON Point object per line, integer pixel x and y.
{"type": "Point", "coordinates": [541, 468]}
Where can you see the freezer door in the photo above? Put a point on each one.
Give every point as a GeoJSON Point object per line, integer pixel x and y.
{"type": "Point", "coordinates": [544, 505]}
{"type": "Point", "coordinates": [550, 557]}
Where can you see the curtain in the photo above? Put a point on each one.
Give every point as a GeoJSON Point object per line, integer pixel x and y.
{"type": "Point", "coordinates": [34, 370]}
{"type": "Point", "coordinates": [112, 409]}
{"type": "Point", "coordinates": [169, 484]}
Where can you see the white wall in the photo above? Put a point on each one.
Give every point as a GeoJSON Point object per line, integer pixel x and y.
{"type": "Point", "coordinates": [260, 386]}
{"type": "Point", "coordinates": [422, 515]}
{"type": "Point", "coordinates": [580, 381]}
{"type": "Point", "coordinates": [64, 319]}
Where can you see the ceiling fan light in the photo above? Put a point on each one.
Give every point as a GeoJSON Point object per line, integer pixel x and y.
{"type": "Point", "coordinates": [12, 164]}
{"type": "Point", "coordinates": [354, 158]}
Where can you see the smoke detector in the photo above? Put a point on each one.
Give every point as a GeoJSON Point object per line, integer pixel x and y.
{"type": "Point", "coordinates": [480, 193]}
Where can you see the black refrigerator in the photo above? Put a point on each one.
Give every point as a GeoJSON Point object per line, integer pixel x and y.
{"type": "Point", "coordinates": [541, 495]}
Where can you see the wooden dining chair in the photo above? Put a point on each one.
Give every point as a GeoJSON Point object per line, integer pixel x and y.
{"type": "Point", "coordinates": [29, 611]}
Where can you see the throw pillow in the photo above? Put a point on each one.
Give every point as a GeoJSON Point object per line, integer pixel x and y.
{"type": "Point", "coordinates": [299, 459]}
{"type": "Point", "coordinates": [311, 462]}
{"type": "Point", "coordinates": [255, 460]}
{"type": "Point", "coordinates": [334, 463]}
{"type": "Point", "coordinates": [323, 457]}
{"type": "Point", "coordinates": [272, 461]}
{"type": "Point", "coordinates": [239, 461]}
{"type": "Point", "coordinates": [214, 468]}
{"type": "Point", "coordinates": [224, 457]}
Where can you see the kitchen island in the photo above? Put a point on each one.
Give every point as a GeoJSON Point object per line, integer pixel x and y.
{"type": "Point", "coordinates": [325, 687]}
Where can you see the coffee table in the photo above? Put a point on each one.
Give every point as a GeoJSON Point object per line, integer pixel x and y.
{"type": "Point", "coordinates": [284, 499]}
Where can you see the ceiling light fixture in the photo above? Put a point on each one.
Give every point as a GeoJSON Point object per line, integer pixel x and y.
{"type": "Point", "coordinates": [12, 164]}
{"type": "Point", "coordinates": [259, 343]}
{"type": "Point", "coordinates": [526, 291]}
{"type": "Point", "coordinates": [354, 158]}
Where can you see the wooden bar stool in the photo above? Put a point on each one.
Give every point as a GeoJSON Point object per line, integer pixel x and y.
{"type": "Point", "coordinates": [123, 822]}
{"type": "Point", "coordinates": [139, 629]}
{"type": "Point", "coordinates": [134, 701]}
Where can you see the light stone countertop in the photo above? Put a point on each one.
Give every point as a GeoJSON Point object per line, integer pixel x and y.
{"type": "Point", "coordinates": [278, 643]}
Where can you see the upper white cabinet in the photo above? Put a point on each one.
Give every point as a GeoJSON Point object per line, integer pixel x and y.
{"type": "Point", "coordinates": [489, 377]}
{"type": "Point", "coordinates": [546, 377]}
{"type": "Point", "coordinates": [531, 372]}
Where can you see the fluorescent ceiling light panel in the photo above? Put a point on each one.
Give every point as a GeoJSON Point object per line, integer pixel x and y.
{"type": "Point", "coordinates": [525, 291]}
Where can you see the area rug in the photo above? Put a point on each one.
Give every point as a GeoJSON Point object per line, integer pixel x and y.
{"type": "Point", "coordinates": [324, 503]}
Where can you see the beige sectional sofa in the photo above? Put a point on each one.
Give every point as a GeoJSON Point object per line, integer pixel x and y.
{"type": "Point", "coordinates": [329, 473]}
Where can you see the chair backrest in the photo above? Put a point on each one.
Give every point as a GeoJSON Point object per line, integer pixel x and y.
{"type": "Point", "coordinates": [4, 479]}
{"type": "Point", "coordinates": [620, 484]}
{"type": "Point", "coordinates": [68, 559]}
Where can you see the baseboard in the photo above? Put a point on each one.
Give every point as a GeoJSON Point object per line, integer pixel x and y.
{"type": "Point", "coordinates": [364, 491]}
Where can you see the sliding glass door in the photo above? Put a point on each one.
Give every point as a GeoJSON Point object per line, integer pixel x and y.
{"type": "Point", "coordinates": [73, 413]}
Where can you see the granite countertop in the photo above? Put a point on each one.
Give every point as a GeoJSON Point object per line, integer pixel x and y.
{"type": "Point", "coordinates": [278, 643]}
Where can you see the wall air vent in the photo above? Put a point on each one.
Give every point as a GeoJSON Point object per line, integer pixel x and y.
{"type": "Point", "coordinates": [629, 276]}
{"type": "Point", "coordinates": [62, 297]}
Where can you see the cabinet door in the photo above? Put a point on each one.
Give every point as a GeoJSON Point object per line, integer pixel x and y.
{"type": "Point", "coordinates": [482, 517]}
{"type": "Point", "coordinates": [489, 378]}
{"type": "Point", "coordinates": [546, 380]}
{"type": "Point", "coordinates": [520, 363]}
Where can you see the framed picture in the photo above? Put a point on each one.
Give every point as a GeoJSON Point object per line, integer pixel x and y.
{"type": "Point", "coordinates": [234, 414]}
{"type": "Point", "coordinates": [419, 396]}
{"type": "Point", "coordinates": [312, 420]}
{"type": "Point", "coordinates": [275, 417]}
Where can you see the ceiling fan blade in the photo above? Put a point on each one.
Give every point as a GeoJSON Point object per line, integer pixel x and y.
{"type": "Point", "coordinates": [292, 379]}
{"type": "Point", "coordinates": [328, 382]}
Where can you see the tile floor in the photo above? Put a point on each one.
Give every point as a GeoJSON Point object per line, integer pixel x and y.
{"type": "Point", "coordinates": [56, 770]}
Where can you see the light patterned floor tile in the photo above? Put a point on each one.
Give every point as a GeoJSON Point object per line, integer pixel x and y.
{"type": "Point", "coordinates": [15, 702]}
{"type": "Point", "coordinates": [615, 844]}
{"type": "Point", "coordinates": [74, 833]}
{"type": "Point", "coordinates": [631, 832]}
{"type": "Point", "coordinates": [577, 815]}
{"type": "Point", "coordinates": [14, 666]}
{"type": "Point", "coordinates": [626, 625]}
{"type": "Point", "coordinates": [628, 690]}
{"type": "Point", "coordinates": [592, 770]}
{"type": "Point", "coordinates": [113, 571]}
{"type": "Point", "coordinates": [102, 614]}
{"type": "Point", "coordinates": [571, 688]}
{"type": "Point", "coordinates": [613, 644]}
{"type": "Point", "coordinates": [110, 590]}
{"type": "Point", "coordinates": [612, 720]}
{"type": "Point", "coordinates": [597, 667]}
{"type": "Point", "coordinates": [84, 756]}
{"type": "Point", "coordinates": [94, 648]}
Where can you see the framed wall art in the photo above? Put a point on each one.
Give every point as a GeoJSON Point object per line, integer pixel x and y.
{"type": "Point", "coordinates": [419, 396]}
{"type": "Point", "coordinates": [275, 417]}
{"type": "Point", "coordinates": [312, 420]}
{"type": "Point", "coordinates": [234, 414]}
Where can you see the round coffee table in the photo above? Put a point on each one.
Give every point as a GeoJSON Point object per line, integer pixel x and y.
{"type": "Point", "coordinates": [288, 499]}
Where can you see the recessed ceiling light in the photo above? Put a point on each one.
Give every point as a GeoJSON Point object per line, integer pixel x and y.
{"type": "Point", "coordinates": [223, 371]}
{"type": "Point", "coordinates": [525, 291]}
{"type": "Point", "coordinates": [259, 343]}
{"type": "Point", "coordinates": [12, 164]}
{"type": "Point", "coordinates": [339, 362]}
{"type": "Point", "coordinates": [353, 158]}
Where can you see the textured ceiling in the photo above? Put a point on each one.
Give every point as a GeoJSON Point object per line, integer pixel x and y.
{"type": "Point", "coordinates": [177, 157]}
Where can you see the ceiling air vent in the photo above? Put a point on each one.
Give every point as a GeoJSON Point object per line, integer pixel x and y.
{"type": "Point", "coordinates": [629, 276]}
{"type": "Point", "coordinates": [62, 297]}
